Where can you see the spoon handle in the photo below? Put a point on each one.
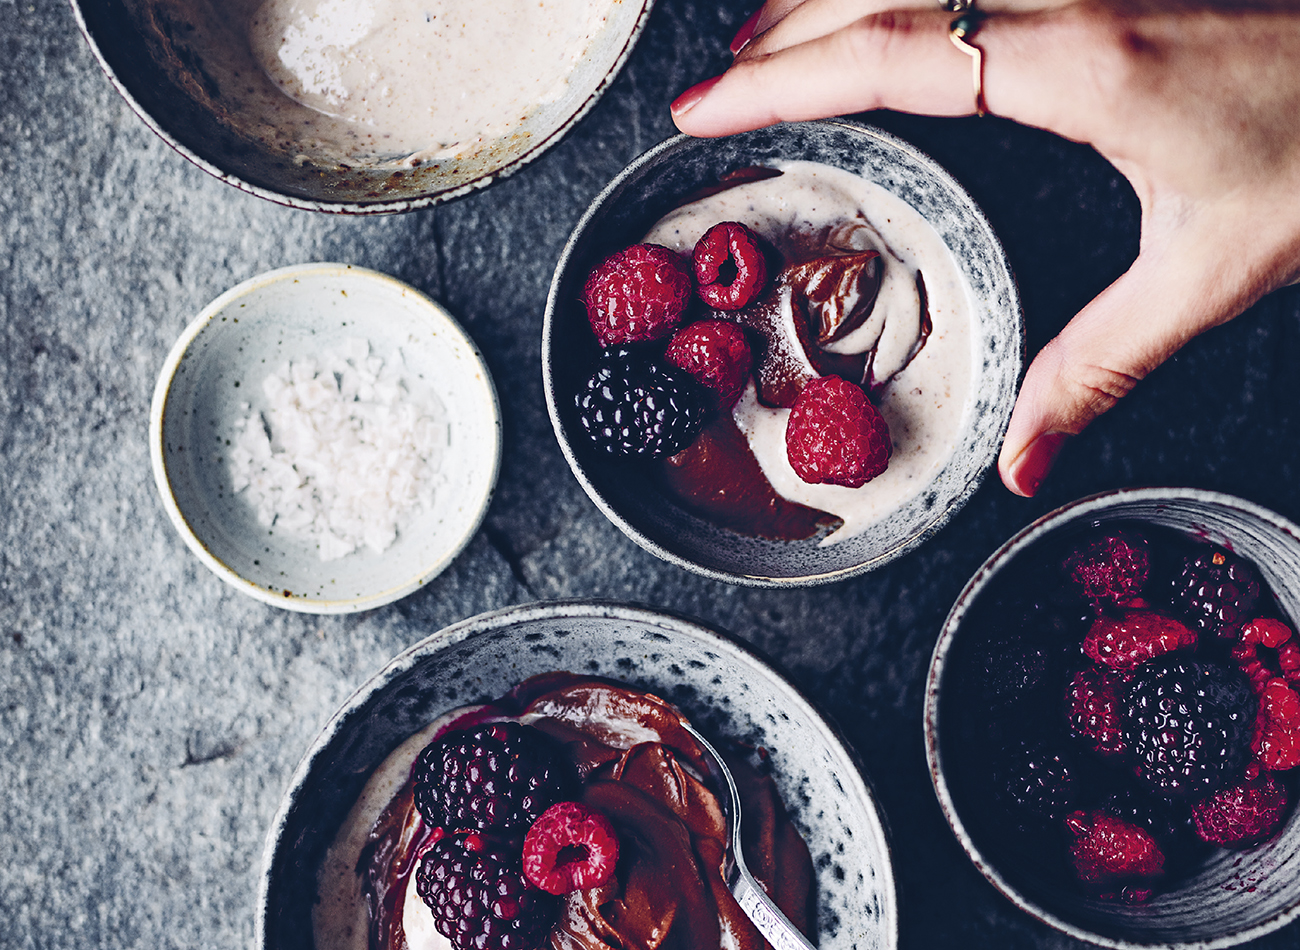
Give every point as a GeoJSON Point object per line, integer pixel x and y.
{"type": "Point", "coordinates": [753, 900]}
{"type": "Point", "coordinates": [767, 917]}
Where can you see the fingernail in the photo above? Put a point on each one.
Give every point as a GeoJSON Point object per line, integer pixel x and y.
{"type": "Point", "coordinates": [691, 97]}
{"type": "Point", "coordinates": [1029, 470]}
{"type": "Point", "coordinates": [745, 34]}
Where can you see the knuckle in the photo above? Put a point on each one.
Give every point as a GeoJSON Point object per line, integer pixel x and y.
{"type": "Point", "coordinates": [1090, 387]}
{"type": "Point", "coordinates": [1111, 55]}
{"type": "Point", "coordinates": [874, 38]}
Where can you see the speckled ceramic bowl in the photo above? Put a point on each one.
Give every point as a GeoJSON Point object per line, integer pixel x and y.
{"type": "Point", "coordinates": [1235, 896]}
{"type": "Point", "coordinates": [725, 689]}
{"type": "Point", "coordinates": [213, 378]}
{"type": "Point", "coordinates": [659, 181]}
{"type": "Point", "coordinates": [156, 59]}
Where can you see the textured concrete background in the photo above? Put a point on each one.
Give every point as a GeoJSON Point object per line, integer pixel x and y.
{"type": "Point", "coordinates": [150, 716]}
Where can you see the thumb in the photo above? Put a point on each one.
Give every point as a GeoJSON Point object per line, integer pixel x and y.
{"type": "Point", "coordinates": [1174, 291]}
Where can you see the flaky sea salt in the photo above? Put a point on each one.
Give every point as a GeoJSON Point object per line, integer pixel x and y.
{"type": "Point", "coordinates": [345, 455]}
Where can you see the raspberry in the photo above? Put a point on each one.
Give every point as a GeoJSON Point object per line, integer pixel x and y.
{"type": "Point", "coordinates": [479, 897]}
{"type": "Point", "coordinates": [1168, 820]}
{"type": "Point", "coordinates": [1036, 779]}
{"type": "Point", "coordinates": [1276, 744]}
{"type": "Point", "coordinates": [717, 354]}
{"type": "Point", "coordinates": [730, 269]}
{"type": "Point", "coordinates": [1241, 815]}
{"type": "Point", "coordinates": [1217, 591]}
{"type": "Point", "coordinates": [835, 435]}
{"type": "Point", "coordinates": [1125, 642]}
{"type": "Point", "coordinates": [1110, 569]}
{"type": "Point", "coordinates": [1108, 850]}
{"type": "Point", "coordinates": [570, 848]}
{"type": "Point", "coordinates": [1092, 710]}
{"type": "Point", "coordinates": [639, 293]}
{"type": "Point", "coordinates": [1275, 636]}
{"type": "Point", "coordinates": [499, 776]}
{"type": "Point", "coordinates": [635, 406]}
{"type": "Point", "coordinates": [1187, 725]}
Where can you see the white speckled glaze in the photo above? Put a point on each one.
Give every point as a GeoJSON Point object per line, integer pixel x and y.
{"type": "Point", "coordinates": [657, 182]}
{"type": "Point", "coordinates": [1238, 895]}
{"type": "Point", "coordinates": [154, 57]}
{"type": "Point", "coordinates": [217, 367]}
{"type": "Point", "coordinates": [724, 688]}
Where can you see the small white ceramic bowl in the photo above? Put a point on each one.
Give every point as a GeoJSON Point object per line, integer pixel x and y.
{"type": "Point", "coordinates": [663, 179]}
{"type": "Point", "coordinates": [1234, 896]}
{"type": "Point", "coordinates": [725, 689]}
{"type": "Point", "coordinates": [213, 377]}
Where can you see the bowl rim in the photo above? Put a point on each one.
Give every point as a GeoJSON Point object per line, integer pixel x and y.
{"type": "Point", "coordinates": [924, 532]}
{"type": "Point", "coordinates": [1073, 511]}
{"type": "Point", "coordinates": [158, 459]}
{"type": "Point", "coordinates": [381, 206]}
{"type": "Point", "coordinates": [596, 608]}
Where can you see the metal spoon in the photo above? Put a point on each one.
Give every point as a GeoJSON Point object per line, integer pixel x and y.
{"type": "Point", "coordinates": [749, 894]}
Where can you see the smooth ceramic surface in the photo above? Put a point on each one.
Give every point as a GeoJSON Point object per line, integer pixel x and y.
{"type": "Point", "coordinates": [215, 371]}
{"type": "Point", "coordinates": [1237, 895]}
{"type": "Point", "coordinates": [152, 66]}
{"type": "Point", "coordinates": [724, 688]}
{"type": "Point", "coordinates": [657, 182]}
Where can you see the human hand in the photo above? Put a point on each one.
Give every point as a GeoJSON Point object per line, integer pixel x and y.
{"type": "Point", "coordinates": [1196, 106]}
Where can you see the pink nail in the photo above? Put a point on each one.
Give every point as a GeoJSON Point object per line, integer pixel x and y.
{"type": "Point", "coordinates": [691, 97]}
{"type": "Point", "coordinates": [1036, 461]}
{"type": "Point", "coordinates": [745, 34]}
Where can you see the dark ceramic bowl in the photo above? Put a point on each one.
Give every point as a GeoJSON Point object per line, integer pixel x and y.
{"type": "Point", "coordinates": [720, 684]}
{"type": "Point", "coordinates": [1233, 896]}
{"type": "Point", "coordinates": [152, 60]}
{"type": "Point", "coordinates": [658, 182]}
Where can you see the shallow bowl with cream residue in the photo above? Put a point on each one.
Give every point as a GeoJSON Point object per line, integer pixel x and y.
{"type": "Point", "coordinates": [725, 689]}
{"type": "Point", "coordinates": [165, 66]}
{"type": "Point", "coordinates": [659, 181]}
{"type": "Point", "coordinates": [213, 379]}
{"type": "Point", "coordinates": [1233, 896]}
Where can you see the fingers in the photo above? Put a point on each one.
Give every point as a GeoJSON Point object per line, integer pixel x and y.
{"type": "Point", "coordinates": [781, 24]}
{"type": "Point", "coordinates": [1177, 288]}
{"type": "Point", "coordinates": [1067, 70]}
{"type": "Point", "coordinates": [902, 60]}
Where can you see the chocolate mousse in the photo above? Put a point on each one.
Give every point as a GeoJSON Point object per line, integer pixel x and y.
{"type": "Point", "coordinates": [638, 767]}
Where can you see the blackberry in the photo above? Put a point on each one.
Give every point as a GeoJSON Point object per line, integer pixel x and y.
{"type": "Point", "coordinates": [1010, 670]}
{"type": "Point", "coordinates": [1035, 778]}
{"type": "Point", "coordinates": [1024, 653]}
{"type": "Point", "coordinates": [497, 777]}
{"type": "Point", "coordinates": [1187, 725]}
{"type": "Point", "coordinates": [480, 900]}
{"type": "Point", "coordinates": [1217, 591]}
{"type": "Point", "coordinates": [638, 406]}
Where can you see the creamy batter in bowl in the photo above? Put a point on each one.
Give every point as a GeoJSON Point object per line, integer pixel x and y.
{"type": "Point", "coordinates": [930, 222]}
{"type": "Point", "coordinates": [718, 683]}
{"type": "Point", "coordinates": [363, 106]}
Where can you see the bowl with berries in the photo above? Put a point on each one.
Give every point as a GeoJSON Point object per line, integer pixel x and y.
{"type": "Point", "coordinates": [535, 777]}
{"type": "Point", "coordinates": [1113, 719]}
{"type": "Point", "coordinates": [784, 357]}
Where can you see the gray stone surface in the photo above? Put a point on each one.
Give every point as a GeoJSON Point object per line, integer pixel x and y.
{"type": "Point", "coordinates": [150, 716]}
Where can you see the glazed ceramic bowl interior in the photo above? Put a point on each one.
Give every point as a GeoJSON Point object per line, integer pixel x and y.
{"type": "Point", "coordinates": [1234, 896]}
{"type": "Point", "coordinates": [213, 378]}
{"type": "Point", "coordinates": [159, 61]}
{"type": "Point", "coordinates": [660, 181]}
{"type": "Point", "coordinates": [725, 689]}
